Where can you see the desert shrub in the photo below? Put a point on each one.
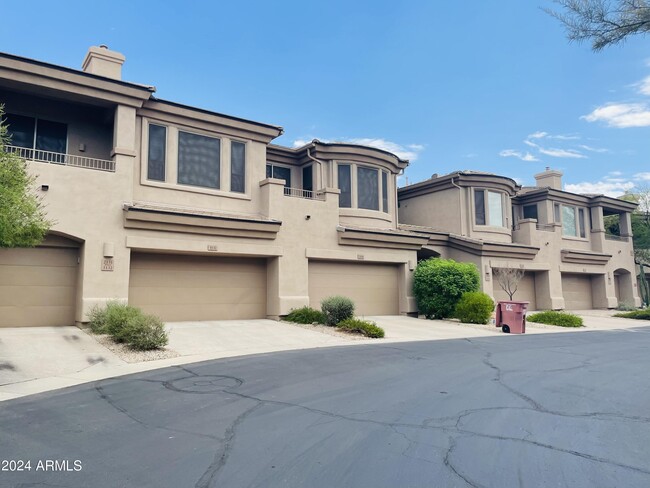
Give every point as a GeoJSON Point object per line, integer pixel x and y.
{"type": "Point", "coordinates": [336, 309]}
{"type": "Point", "coordinates": [438, 285]}
{"type": "Point", "coordinates": [143, 332]}
{"type": "Point", "coordinates": [643, 314]}
{"type": "Point", "coordinates": [364, 327]}
{"type": "Point", "coordinates": [626, 307]}
{"type": "Point", "coordinates": [474, 307]}
{"type": "Point", "coordinates": [306, 315]}
{"type": "Point", "coordinates": [551, 317]}
{"type": "Point", "coordinates": [111, 318]}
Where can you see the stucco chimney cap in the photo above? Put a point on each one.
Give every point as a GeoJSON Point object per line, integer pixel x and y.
{"type": "Point", "coordinates": [102, 61]}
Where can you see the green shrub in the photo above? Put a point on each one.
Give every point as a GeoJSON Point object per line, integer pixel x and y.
{"type": "Point", "coordinates": [643, 314]}
{"type": "Point", "coordinates": [438, 285]}
{"type": "Point", "coordinates": [306, 315]}
{"type": "Point", "coordinates": [111, 318]}
{"type": "Point", "coordinates": [143, 332]}
{"type": "Point", "coordinates": [336, 309]}
{"type": "Point", "coordinates": [474, 307]}
{"type": "Point", "coordinates": [626, 307]}
{"type": "Point", "coordinates": [551, 317]}
{"type": "Point", "coordinates": [358, 326]}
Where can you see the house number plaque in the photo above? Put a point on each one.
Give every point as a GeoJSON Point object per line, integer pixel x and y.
{"type": "Point", "coordinates": [107, 264]}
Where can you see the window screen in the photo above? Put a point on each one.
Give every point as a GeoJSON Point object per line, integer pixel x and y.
{"type": "Point", "coordinates": [495, 204]}
{"type": "Point", "coordinates": [308, 178]}
{"type": "Point", "coordinates": [569, 221]}
{"type": "Point", "coordinates": [199, 160]}
{"type": "Point", "coordinates": [345, 185]}
{"type": "Point", "coordinates": [51, 136]}
{"type": "Point", "coordinates": [581, 223]}
{"type": "Point", "coordinates": [21, 130]}
{"type": "Point", "coordinates": [384, 191]}
{"type": "Point", "coordinates": [556, 210]}
{"type": "Point", "coordinates": [237, 166]}
{"type": "Point", "coordinates": [157, 152]}
{"type": "Point", "coordinates": [530, 211]}
{"type": "Point", "coordinates": [479, 206]}
{"type": "Point", "coordinates": [368, 188]}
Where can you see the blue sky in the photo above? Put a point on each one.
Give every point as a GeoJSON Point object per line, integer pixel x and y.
{"type": "Point", "coordinates": [490, 86]}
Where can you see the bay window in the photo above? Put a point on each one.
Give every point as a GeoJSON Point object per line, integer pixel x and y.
{"type": "Point", "coordinates": [368, 188]}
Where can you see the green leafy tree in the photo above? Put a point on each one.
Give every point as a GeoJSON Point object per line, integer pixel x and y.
{"type": "Point", "coordinates": [603, 22]}
{"type": "Point", "coordinates": [22, 218]}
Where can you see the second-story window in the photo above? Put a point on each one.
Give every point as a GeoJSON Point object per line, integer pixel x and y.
{"type": "Point", "coordinates": [345, 185]}
{"type": "Point", "coordinates": [199, 160]}
{"type": "Point", "coordinates": [39, 134]}
{"type": "Point", "coordinates": [308, 178]}
{"type": "Point", "coordinates": [488, 208]}
{"type": "Point", "coordinates": [573, 221]}
{"type": "Point", "coordinates": [237, 167]}
{"type": "Point", "coordinates": [530, 211]}
{"type": "Point", "coordinates": [367, 188]}
{"type": "Point", "coordinates": [157, 152]}
{"type": "Point", "coordinates": [279, 172]}
{"type": "Point", "coordinates": [384, 191]}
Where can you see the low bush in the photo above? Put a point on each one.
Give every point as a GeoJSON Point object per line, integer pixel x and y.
{"type": "Point", "coordinates": [474, 307]}
{"type": "Point", "coordinates": [438, 285]}
{"type": "Point", "coordinates": [129, 325]}
{"type": "Point", "coordinates": [337, 309]}
{"type": "Point", "coordinates": [551, 317]}
{"type": "Point", "coordinates": [643, 314]}
{"type": "Point", "coordinates": [626, 307]}
{"type": "Point", "coordinates": [306, 315]}
{"type": "Point", "coordinates": [364, 327]}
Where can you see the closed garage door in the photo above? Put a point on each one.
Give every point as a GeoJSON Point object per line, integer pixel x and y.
{"type": "Point", "coordinates": [372, 287]}
{"type": "Point", "coordinates": [577, 291]}
{"type": "Point", "coordinates": [525, 291]}
{"type": "Point", "coordinates": [38, 287]}
{"type": "Point", "coordinates": [179, 288]}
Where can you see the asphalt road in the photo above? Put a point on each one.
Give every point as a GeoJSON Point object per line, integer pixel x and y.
{"type": "Point", "coordinates": [559, 410]}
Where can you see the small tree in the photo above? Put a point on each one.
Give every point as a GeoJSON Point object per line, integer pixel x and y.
{"type": "Point", "coordinates": [508, 279]}
{"type": "Point", "coordinates": [22, 217]}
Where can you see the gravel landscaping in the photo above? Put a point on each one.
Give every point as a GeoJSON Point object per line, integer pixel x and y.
{"type": "Point", "coordinates": [129, 355]}
{"type": "Point", "coordinates": [333, 331]}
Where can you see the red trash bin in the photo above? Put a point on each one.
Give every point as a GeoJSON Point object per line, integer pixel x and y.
{"type": "Point", "coordinates": [511, 317]}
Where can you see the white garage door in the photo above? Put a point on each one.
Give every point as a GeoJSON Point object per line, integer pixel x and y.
{"type": "Point", "coordinates": [525, 291]}
{"type": "Point", "coordinates": [179, 288]}
{"type": "Point", "coordinates": [577, 291]}
{"type": "Point", "coordinates": [38, 287]}
{"type": "Point", "coordinates": [373, 287]}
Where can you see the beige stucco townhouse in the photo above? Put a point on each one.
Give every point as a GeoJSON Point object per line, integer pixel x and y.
{"type": "Point", "coordinates": [188, 213]}
{"type": "Point", "coordinates": [557, 237]}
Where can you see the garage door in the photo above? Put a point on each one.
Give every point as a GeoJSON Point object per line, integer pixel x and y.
{"type": "Point", "coordinates": [577, 291]}
{"type": "Point", "coordinates": [525, 291]}
{"type": "Point", "coordinates": [179, 288]}
{"type": "Point", "coordinates": [38, 287]}
{"type": "Point", "coordinates": [372, 287]}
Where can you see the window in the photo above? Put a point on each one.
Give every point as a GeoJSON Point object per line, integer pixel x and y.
{"type": "Point", "coordinates": [308, 178]}
{"type": "Point", "coordinates": [279, 172]}
{"type": "Point", "coordinates": [384, 191]}
{"type": "Point", "coordinates": [556, 213]}
{"type": "Point", "coordinates": [581, 223]}
{"type": "Point", "coordinates": [157, 152]}
{"type": "Point", "coordinates": [491, 213]}
{"type": "Point", "coordinates": [199, 160]}
{"type": "Point", "coordinates": [40, 134]}
{"type": "Point", "coordinates": [237, 167]}
{"type": "Point", "coordinates": [345, 185]}
{"type": "Point", "coordinates": [569, 221]}
{"type": "Point", "coordinates": [530, 211]}
{"type": "Point", "coordinates": [368, 188]}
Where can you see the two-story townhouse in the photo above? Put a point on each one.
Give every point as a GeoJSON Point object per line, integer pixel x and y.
{"type": "Point", "coordinates": [189, 213]}
{"type": "Point", "coordinates": [558, 238]}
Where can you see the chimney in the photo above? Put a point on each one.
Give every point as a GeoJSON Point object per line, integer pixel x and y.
{"type": "Point", "coordinates": [103, 62]}
{"type": "Point", "coordinates": [550, 178]}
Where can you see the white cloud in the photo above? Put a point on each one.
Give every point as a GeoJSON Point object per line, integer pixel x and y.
{"type": "Point", "coordinates": [642, 176]}
{"type": "Point", "coordinates": [615, 173]}
{"type": "Point", "coordinates": [560, 137]}
{"type": "Point", "coordinates": [538, 135]}
{"type": "Point", "coordinates": [403, 151]}
{"type": "Point", "coordinates": [605, 187]}
{"type": "Point", "coordinates": [621, 115]}
{"type": "Point", "coordinates": [507, 153]}
{"type": "Point", "coordinates": [593, 149]}
{"type": "Point", "coordinates": [556, 152]}
{"type": "Point", "coordinates": [643, 86]}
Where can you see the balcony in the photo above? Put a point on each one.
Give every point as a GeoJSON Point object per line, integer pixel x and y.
{"type": "Point", "coordinates": [612, 237]}
{"type": "Point", "coordinates": [62, 159]}
{"type": "Point", "coordinates": [307, 194]}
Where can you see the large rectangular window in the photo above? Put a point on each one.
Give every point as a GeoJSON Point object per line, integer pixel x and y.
{"type": "Point", "coordinates": [157, 152]}
{"type": "Point", "coordinates": [368, 188]}
{"type": "Point", "coordinates": [41, 134]}
{"type": "Point", "coordinates": [279, 172]}
{"type": "Point", "coordinates": [345, 185]}
{"type": "Point", "coordinates": [199, 160]}
{"type": "Point", "coordinates": [308, 178]}
{"type": "Point", "coordinates": [237, 167]}
{"type": "Point", "coordinates": [530, 211]}
{"type": "Point", "coordinates": [495, 206]}
{"type": "Point", "coordinates": [384, 191]}
{"type": "Point", "coordinates": [569, 221]}
{"type": "Point", "coordinates": [488, 210]}
{"type": "Point", "coordinates": [479, 207]}
{"type": "Point", "coordinates": [21, 130]}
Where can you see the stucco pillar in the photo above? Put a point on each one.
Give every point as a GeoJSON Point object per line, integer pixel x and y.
{"type": "Point", "coordinates": [603, 290]}
{"type": "Point", "coordinates": [625, 224]}
{"type": "Point", "coordinates": [597, 229]}
{"type": "Point", "coordinates": [548, 290]}
{"type": "Point", "coordinates": [526, 232]}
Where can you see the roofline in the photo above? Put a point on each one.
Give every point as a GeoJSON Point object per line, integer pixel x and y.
{"type": "Point", "coordinates": [603, 200]}
{"type": "Point", "coordinates": [315, 142]}
{"type": "Point", "coordinates": [147, 88]}
{"type": "Point", "coordinates": [421, 187]}
{"type": "Point", "coordinates": [219, 114]}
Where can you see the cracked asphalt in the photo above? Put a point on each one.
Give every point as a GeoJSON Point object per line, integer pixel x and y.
{"type": "Point", "coordinates": [568, 409]}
